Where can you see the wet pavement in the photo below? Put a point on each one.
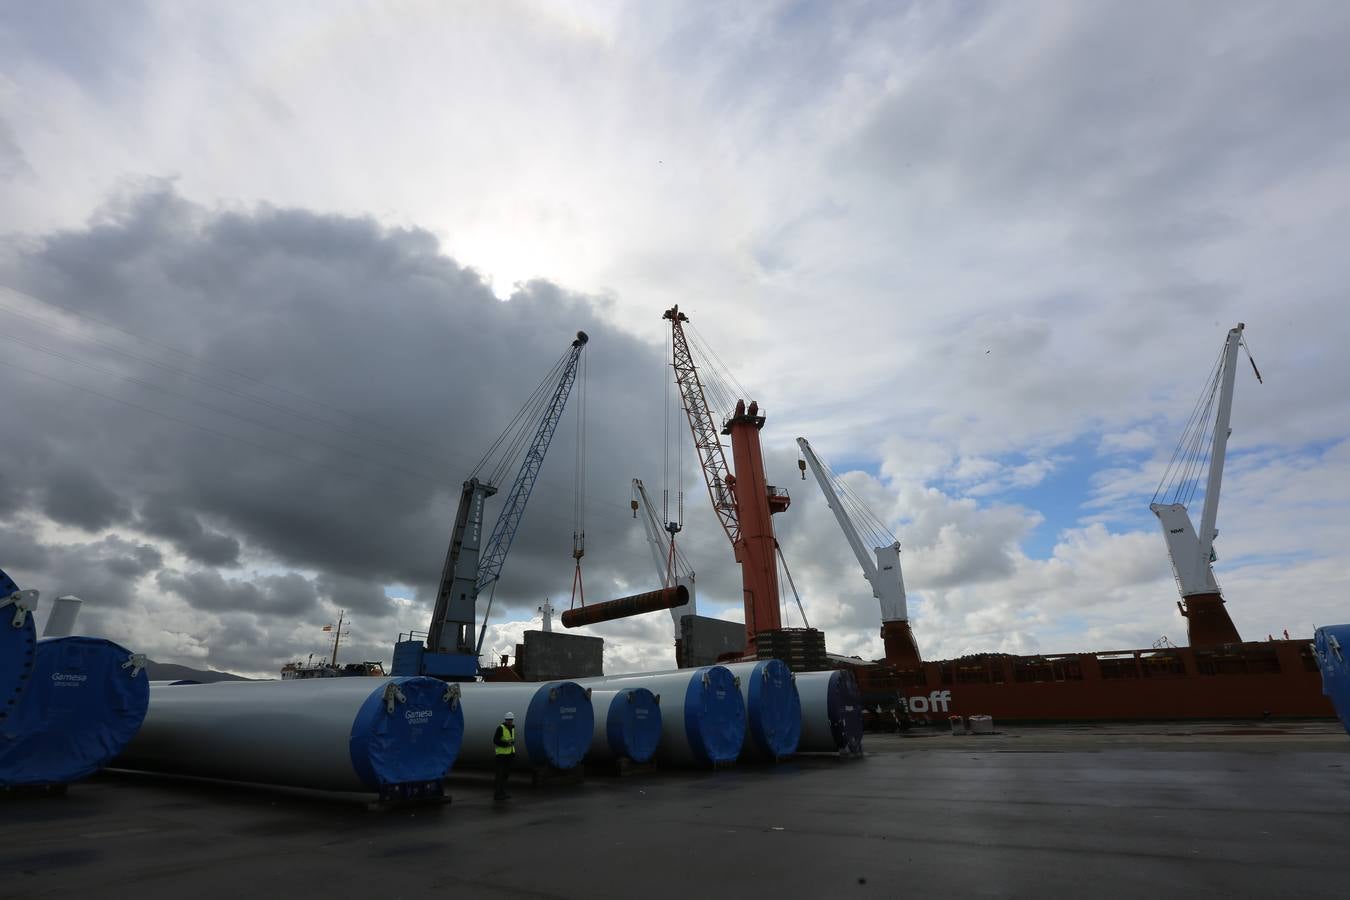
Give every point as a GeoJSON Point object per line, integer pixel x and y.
{"type": "Point", "coordinates": [1115, 811]}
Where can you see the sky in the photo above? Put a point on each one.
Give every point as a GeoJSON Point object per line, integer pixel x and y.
{"type": "Point", "coordinates": [273, 277]}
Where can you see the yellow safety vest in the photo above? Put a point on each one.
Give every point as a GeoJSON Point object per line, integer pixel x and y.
{"type": "Point", "coordinates": [508, 735]}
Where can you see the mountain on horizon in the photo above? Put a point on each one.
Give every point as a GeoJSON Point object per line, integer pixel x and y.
{"type": "Point", "coordinates": [158, 671]}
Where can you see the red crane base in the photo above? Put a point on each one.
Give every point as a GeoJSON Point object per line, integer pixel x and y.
{"type": "Point", "coordinates": [901, 650]}
{"type": "Point", "coordinates": [1208, 624]}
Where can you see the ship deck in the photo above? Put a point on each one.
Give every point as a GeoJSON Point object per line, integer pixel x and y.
{"type": "Point", "coordinates": [1121, 811]}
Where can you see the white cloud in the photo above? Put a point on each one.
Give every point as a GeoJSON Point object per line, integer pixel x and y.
{"type": "Point", "coordinates": [946, 242]}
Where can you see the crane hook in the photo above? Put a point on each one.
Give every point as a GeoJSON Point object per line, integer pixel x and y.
{"type": "Point", "coordinates": [801, 464]}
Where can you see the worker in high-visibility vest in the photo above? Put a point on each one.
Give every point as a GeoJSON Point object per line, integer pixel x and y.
{"type": "Point", "coordinates": [504, 745]}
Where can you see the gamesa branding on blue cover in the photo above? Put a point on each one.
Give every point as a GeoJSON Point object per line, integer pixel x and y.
{"type": "Point", "coordinates": [633, 724]}
{"type": "Point", "coordinates": [418, 741]}
{"type": "Point", "coordinates": [714, 716]}
{"type": "Point", "coordinates": [86, 700]}
{"type": "Point", "coordinates": [773, 708]}
{"type": "Point", "coordinates": [559, 724]}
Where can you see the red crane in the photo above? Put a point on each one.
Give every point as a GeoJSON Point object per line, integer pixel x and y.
{"type": "Point", "coordinates": [743, 500]}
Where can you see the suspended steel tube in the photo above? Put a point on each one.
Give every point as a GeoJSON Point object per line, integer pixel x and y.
{"type": "Point", "coordinates": [636, 605]}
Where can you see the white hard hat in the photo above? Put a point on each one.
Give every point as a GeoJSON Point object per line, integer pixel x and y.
{"type": "Point", "coordinates": [509, 716]}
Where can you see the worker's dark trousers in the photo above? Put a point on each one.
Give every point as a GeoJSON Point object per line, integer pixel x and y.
{"type": "Point", "coordinates": [504, 764]}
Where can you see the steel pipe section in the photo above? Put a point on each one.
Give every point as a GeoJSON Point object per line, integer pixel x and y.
{"type": "Point", "coordinates": [636, 605]}
{"type": "Point", "coordinates": [61, 620]}
{"type": "Point", "coordinates": [773, 708]}
{"type": "Point", "coordinates": [831, 713]}
{"type": "Point", "coordinates": [390, 736]}
{"type": "Point", "coordinates": [554, 722]}
{"type": "Point", "coordinates": [703, 719]}
{"type": "Point", "coordinates": [86, 699]}
{"type": "Point", "coordinates": [627, 724]}
{"type": "Point", "coordinates": [18, 649]}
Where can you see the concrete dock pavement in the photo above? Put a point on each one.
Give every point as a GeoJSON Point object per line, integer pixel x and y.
{"type": "Point", "coordinates": [1102, 811]}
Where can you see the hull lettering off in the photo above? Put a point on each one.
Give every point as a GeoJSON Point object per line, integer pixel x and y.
{"type": "Point", "coordinates": [937, 701]}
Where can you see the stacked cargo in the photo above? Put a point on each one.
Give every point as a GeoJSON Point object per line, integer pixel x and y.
{"type": "Point", "coordinates": [803, 649]}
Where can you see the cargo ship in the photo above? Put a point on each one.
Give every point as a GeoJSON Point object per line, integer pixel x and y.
{"type": "Point", "coordinates": [329, 667]}
{"type": "Point", "coordinates": [1217, 676]}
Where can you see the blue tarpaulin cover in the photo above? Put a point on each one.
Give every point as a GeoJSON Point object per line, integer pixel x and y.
{"type": "Point", "coordinates": [18, 648]}
{"type": "Point", "coordinates": [774, 709]}
{"type": "Point", "coordinates": [1331, 643]}
{"type": "Point", "coordinates": [418, 742]}
{"type": "Point", "coordinates": [81, 708]}
{"type": "Point", "coordinates": [714, 716]}
{"type": "Point", "coordinates": [633, 724]}
{"type": "Point", "coordinates": [559, 724]}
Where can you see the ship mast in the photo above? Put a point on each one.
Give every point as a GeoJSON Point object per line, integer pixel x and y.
{"type": "Point", "coordinates": [337, 635]}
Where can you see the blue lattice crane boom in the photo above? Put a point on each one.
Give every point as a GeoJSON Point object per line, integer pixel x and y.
{"type": "Point", "coordinates": [508, 522]}
{"type": "Point", "coordinates": [450, 650]}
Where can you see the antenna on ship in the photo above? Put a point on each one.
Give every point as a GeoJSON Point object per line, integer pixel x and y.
{"type": "Point", "coordinates": [337, 634]}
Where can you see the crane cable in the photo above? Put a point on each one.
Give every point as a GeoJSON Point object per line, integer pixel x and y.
{"type": "Point", "coordinates": [792, 584]}
{"type": "Point", "coordinates": [1181, 477]}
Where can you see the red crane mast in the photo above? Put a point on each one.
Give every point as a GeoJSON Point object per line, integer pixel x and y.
{"type": "Point", "coordinates": [743, 500]}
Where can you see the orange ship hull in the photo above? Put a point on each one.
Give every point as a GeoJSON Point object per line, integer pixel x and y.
{"type": "Point", "coordinates": [1253, 680]}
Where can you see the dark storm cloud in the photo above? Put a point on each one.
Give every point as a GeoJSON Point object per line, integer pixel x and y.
{"type": "Point", "coordinates": [353, 594]}
{"type": "Point", "coordinates": [73, 495]}
{"type": "Point", "coordinates": [282, 595]}
{"type": "Point", "coordinates": [165, 516]}
{"type": "Point", "coordinates": [309, 390]}
{"type": "Point", "coordinates": [104, 572]}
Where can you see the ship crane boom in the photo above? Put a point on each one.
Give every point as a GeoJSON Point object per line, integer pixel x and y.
{"type": "Point", "coordinates": [450, 650]}
{"type": "Point", "coordinates": [1192, 552]}
{"type": "Point", "coordinates": [881, 567]}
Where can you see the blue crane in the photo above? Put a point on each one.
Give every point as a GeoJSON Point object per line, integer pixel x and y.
{"type": "Point", "coordinates": [450, 650]}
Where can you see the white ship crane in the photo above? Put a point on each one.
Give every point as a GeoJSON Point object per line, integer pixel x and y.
{"type": "Point", "coordinates": [1192, 551]}
{"type": "Point", "coordinates": [881, 567]}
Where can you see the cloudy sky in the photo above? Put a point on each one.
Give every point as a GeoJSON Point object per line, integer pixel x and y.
{"type": "Point", "coordinates": [274, 276]}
